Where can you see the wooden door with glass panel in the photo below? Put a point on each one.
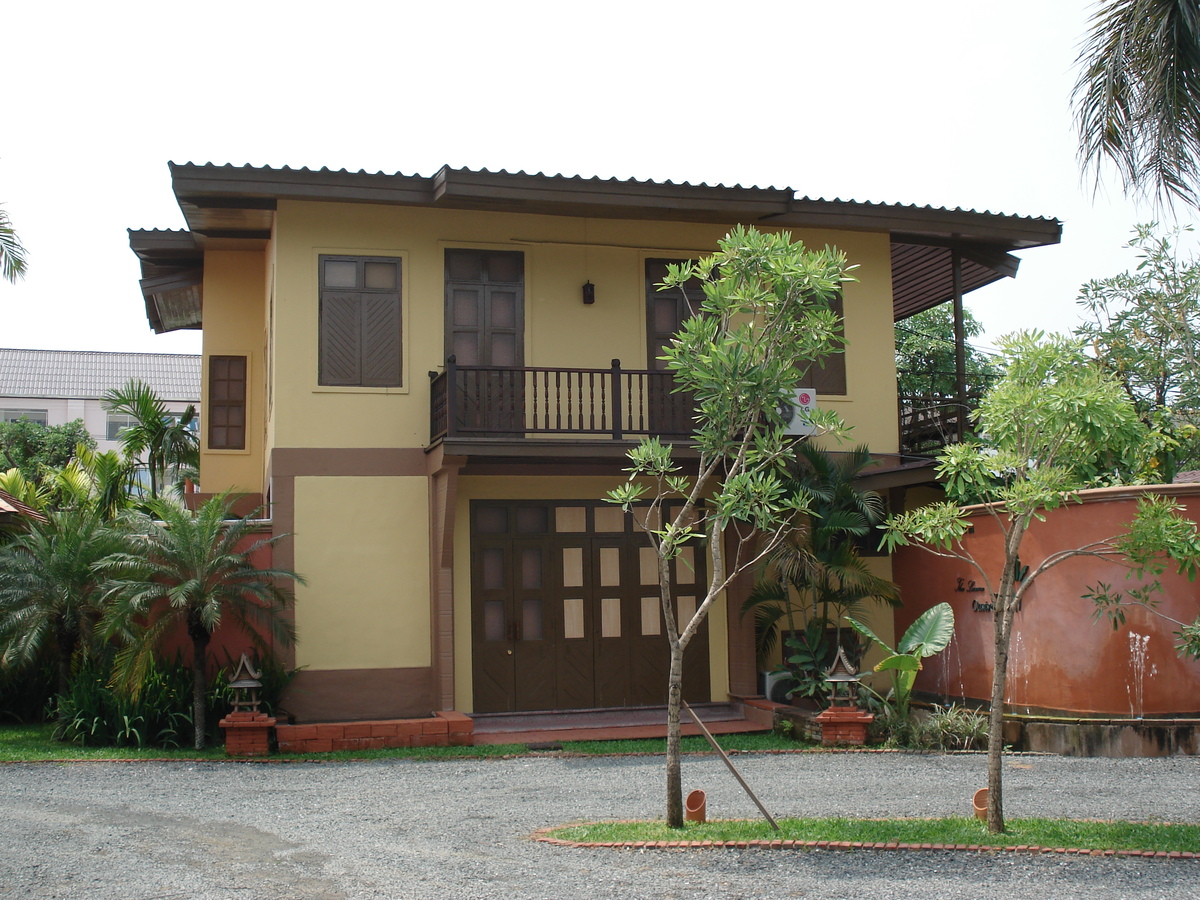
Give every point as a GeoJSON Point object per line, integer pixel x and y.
{"type": "Point", "coordinates": [565, 610]}
{"type": "Point", "coordinates": [485, 326]}
{"type": "Point", "coordinates": [666, 311]}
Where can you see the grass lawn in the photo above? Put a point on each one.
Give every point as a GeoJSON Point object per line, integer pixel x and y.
{"type": "Point", "coordinates": [1084, 835]}
{"type": "Point", "coordinates": [33, 743]}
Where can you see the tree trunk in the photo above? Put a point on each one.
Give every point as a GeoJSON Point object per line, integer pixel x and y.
{"type": "Point", "coordinates": [200, 638]}
{"type": "Point", "coordinates": [995, 808]}
{"type": "Point", "coordinates": [674, 772]}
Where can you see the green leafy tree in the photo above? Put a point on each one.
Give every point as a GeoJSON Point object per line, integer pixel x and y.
{"type": "Point", "coordinates": [925, 355]}
{"type": "Point", "coordinates": [1047, 427]}
{"type": "Point", "coordinates": [159, 441]}
{"type": "Point", "coordinates": [194, 570]}
{"type": "Point", "coordinates": [33, 447]}
{"type": "Point", "coordinates": [764, 316]}
{"type": "Point", "coordinates": [1144, 328]}
{"type": "Point", "coordinates": [14, 260]}
{"type": "Point", "coordinates": [52, 592]}
{"type": "Point", "coordinates": [1137, 100]}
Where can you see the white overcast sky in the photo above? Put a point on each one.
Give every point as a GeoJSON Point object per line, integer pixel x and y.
{"type": "Point", "coordinates": [956, 103]}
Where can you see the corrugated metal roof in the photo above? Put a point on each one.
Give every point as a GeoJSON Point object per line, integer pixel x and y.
{"type": "Point", "coordinates": [88, 374]}
{"type": "Point", "coordinates": [11, 506]}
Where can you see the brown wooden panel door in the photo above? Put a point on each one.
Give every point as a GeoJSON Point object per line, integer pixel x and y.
{"type": "Point", "coordinates": [612, 620]}
{"type": "Point", "coordinates": [568, 617]}
{"type": "Point", "coordinates": [493, 651]}
{"type": "Point", "coordinates": [537, 629]}
{"type": "Point", "coordinates": [485, 326]}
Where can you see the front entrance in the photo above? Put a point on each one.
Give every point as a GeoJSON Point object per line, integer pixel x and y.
{"type": "Point", "coordinates": [565, 609]}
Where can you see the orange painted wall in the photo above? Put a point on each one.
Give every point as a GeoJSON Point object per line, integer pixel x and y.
{"type": "Point", "coordinates": [1060, 659]}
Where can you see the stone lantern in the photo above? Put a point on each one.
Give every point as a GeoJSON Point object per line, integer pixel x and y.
{"type": "Point", "coordinates": [247, 731]}
{"type": "Point", "coordinates": [843, 722]}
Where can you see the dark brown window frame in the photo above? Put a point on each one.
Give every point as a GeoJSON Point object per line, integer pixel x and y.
{"type": "Point", "coordinates": [226, 411]}
{"type": "Point", "coordinates": [375, 359]}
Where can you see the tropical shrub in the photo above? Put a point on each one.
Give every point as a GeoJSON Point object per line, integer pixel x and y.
{"type": "Point", "coordinates": [93, 713]}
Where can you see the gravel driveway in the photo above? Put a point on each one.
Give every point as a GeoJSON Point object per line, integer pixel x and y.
{"type": "Point", "coordinates": [459, 829]}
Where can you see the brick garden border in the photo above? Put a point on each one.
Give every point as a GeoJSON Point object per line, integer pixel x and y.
{"type": "Point", "coordinates": [543, 835]}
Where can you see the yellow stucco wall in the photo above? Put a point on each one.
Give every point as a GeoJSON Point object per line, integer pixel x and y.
{"type": "Point", "coordinates": [363, 546]}
{"type": "Point", "coordinates": [367, 601]}
{"type": "Point", "coordinates": [552, 488]}
{"type": "Point", "coordinates": [560, 255]}
{"type": "Point", "coordinates": [235, 325]}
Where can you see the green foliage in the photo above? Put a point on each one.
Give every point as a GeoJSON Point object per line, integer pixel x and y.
{"type": "Point", "coordinates": [158, 441]}
{"type": "Point", "coordinates": [32, 447]}
{"type": "Point", "coordinates": [951, 728]}
{"type": "Point", "coordinates": [808, 657]}
{"type": "Point", "coordinates": [1144, 329]}
{"type": "Point", "coordinates": [94, 714]}
{"type": "Point", "coordinates": [27, 692]}
{"type": "Point", "coordinates": [14, 259]}
{"type": "Point", "coordinates": [1054, 424]}
{"type": "Point", "coordinates": [925, 360]}
{"type": "Point", "coordinates": [929, 635]}
{"type": "Point", "coordinates": [765, 315]}
{"type": "Point", "coordinates": [52, 589]}
{"type": "Point", "coordinates": [816, 573]}
{"type": "Point", "coordinates": [193, 571]}
{"type": "Point", "coordinates": [1137, 100]}
{"type": "Point", "coordinates": [91, 713]}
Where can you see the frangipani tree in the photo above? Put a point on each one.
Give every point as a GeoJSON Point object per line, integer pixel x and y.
{"type": "Point", "coordinates": [1054, 424]}
{"type": "Point", "coordinates": [765, 316]}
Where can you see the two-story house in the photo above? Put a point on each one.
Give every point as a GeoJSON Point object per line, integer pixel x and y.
{"type": "Point", "coordinates": [432, 381]}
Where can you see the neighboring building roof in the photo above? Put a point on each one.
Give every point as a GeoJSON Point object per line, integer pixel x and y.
{"type": "Point", "coordinates": [234, 205]}
{"type": "Point", "coordinates": [11, 507]}
{"type": "Point", "coordinates": [89, 374]}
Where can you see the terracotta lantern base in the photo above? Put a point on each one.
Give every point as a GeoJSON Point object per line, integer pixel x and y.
{"type": "Point", "coordinates": [247, 733]}
{"type": "Point", "coordinates": [844, 725]}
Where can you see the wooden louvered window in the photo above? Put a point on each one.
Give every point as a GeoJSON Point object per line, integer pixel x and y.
{"type": "Point", "coordinates": [359, 322]}
{"type": "Point", "coordinates": [226, 403]}
{"type": "Point", "coordinates": [827, 375]}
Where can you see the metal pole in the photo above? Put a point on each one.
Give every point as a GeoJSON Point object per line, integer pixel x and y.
{"type": "Point", "coordinates": [736, 774]}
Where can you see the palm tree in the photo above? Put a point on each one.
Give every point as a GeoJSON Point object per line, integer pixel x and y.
{"type": "Point", "coordinates": [101, 482]}
{"type": "Point", "coordinates": [818, 575]}
{"type": "Point", "coordinates": [13, 257]}
{"type": "Point", "coordinates": [52, 591]}
{"type": "Point", "coordinates": [1137, 100]}
{"type": "Point", "coordinates": [168, 442]}
{"type": "Point", "coordinates": [194, 570]}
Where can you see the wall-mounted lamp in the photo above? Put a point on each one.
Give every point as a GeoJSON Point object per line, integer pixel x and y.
{"type": "Point", "coordinates": [589, 293]}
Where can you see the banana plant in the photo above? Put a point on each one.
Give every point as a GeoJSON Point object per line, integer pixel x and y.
{"type": "Point", "coordinates": [930, 634]}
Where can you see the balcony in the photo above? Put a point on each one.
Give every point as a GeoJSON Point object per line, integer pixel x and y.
{"type": "Point", "coordinates": [932, 415]}
{"type": "Point", "coordinates": [482, 403]}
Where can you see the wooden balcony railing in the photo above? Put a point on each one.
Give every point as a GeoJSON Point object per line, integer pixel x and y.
{"type": "Point", "coordinates": [500, 402]}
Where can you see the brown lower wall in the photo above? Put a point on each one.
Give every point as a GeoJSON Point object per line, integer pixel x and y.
{"type": "Point", "coordinates": [347, 695]}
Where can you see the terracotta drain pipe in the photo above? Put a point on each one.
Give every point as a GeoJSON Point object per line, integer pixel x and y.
{"type": "Point", "coordinates": [695, 808]}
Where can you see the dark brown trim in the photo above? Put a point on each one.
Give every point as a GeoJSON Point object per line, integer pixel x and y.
{"type": "Point", "coordinates": [347, 695]}
{"type": "Point", "coordinates": [443, 503]}
{"type": "Point", "coordinates": [283, 554]}
{"type": "Point", "coordinates": [611, 198]}
{"type": "Point", "coordinates": [295, 462]}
